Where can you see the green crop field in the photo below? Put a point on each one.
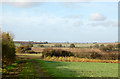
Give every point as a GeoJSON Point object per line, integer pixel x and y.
{"type": "Point", "coordinates": [79, 69]}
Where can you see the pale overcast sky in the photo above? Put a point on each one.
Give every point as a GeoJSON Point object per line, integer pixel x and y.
{"type": "Point", "coordinates": [62, 21]}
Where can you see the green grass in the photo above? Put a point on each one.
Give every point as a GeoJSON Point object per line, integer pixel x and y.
{"type": "Point", "coordinates": [79, 69]}
{"type": "Point", "coordinates": [0, 70]}
{"type": "Point", "coordinates": [16, 44]}
{"type": "Point", "coordinates": [36, 45]}
{"type": "Point", "coordinates": [31, 56]}
{"type": "Point", "coordinates": [28, 70]}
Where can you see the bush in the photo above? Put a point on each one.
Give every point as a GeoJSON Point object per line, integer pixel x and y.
{"type": "Point", "coordinates": [103, 48]}
{"type": "Point", "coordinates": [118, 45]}
{"type": "Point", "coordinates": [41, 46]}
{"type": "Point", "coordinates": [96, 55]}
{"type": "Point", "coordinates": [111, 56]}
{"type": "Point", "coordinates": [58, 45]}
{"type": "Point", "coordinates": [24, 48]}
{"type": "Point", "coordinates": [72, 45]}
{"type": "Point", "coordinates": [107, 48]}
{"type": "Point", "coordinates": [91, 47]}
{"type": "Point", "coordinates": [110, 47]}
{"type": "Point", "coordinates": [101, 45]}
{"type": "Point", "coordinates": [56, 52]}
{"type": "Point", "coordinates": [30, 51]}
{"type": "Point", "coordinates": [8, 49]}
{"type": "Point", "coordinates": [96, 46]}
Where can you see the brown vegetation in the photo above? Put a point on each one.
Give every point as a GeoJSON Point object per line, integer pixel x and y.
{"type": "Point", "coordinates": [75, 59]}
{"type": "Point", "coordinates": [89, 53]}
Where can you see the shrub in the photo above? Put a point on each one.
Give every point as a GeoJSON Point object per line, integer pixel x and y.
{"type": "Point", "coordinates": [103, 48]}
{"type": "Point", "coordinates": [30, 51]}
{"type": "Point", "coordinates": [96, 55]}
{"type": "Point", "coordinates": [111, 56]}
{"type": "Point", "coordinates": [72, 45]}
{"type": "Point", "coordinates": [55, 52]}
{"type": "Point", "coordinates": [110, 47]}
{"type": "Point", "coordinates": [58, 45]}
{"type": "Point", "coordinates": [101, 45]}
{"type": "Point", "coordinates": [24, 48]}
{"type": "Point", "coordinates": [91, 47]}
{"type": "Point", "coordinates": [8, 49]}
{"type": "Point", "coordinates": [41, 46]}
{"type": "Point", "coordinates": [118, 45]}
{"type": "Point", "coordinates": [96, 46]}
{"type": "Point", "coordinates": [107, 48]}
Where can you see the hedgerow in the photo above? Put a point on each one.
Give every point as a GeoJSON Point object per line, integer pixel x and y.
{"type": "Point", "coordinates": [56, 52]}
{"type": "Point", "coordinates": [8, 49]}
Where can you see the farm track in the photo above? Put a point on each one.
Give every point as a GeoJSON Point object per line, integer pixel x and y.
{"type": "Point", "coordinates": [38, 70]}
{"type": "Point", "coordinates": [15, 73]}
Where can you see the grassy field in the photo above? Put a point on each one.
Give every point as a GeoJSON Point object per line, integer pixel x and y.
{"type": "Point", "coordinates": [16, 44]}
{"type": "Point", "coordinates": [28, 70]}
{"type": "Point", "coordinates": [75, 50]}
{"type": "Point", "coordinates": [29, 56]}
{"type": "Point", "coordinates": [79, 69]}
{"type": "Point", "coordinates": [31, 70]}
{"type": "Point", "coordinates": [35, 67]}
{"type": "Point", "coordinates": [81, 45]}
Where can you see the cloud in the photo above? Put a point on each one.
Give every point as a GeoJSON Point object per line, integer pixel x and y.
{"type": "Point", "coordinates": [108, 23]}
{"type": "Point", "coordinates": [97, 17]}
{"type": "Point", "coordinates": [25, 4]}
{"type": "Point", "coordinates": [22, 3]}
{"type": "Point", "coordinates": [64, 3]}
{"type": "Point", "coordinates": [31, 3]}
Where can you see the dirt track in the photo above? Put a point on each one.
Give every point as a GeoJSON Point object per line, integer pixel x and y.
{"type": "Point", "coordinates": [39, 73]}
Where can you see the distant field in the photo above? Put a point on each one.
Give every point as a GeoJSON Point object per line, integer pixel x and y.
{"type": "Point", "coordinates": [16, 44]}
{"type": "Point", "coordinates": [84, 45]}
{"type": "Point", "coordinates": [81, 45]}
{"type": "Point", "coordinates": [75, 50]}
{"type": "Point", "coordinates": [30, 56]}
{"type": "Point", "coordinates": [79, 69]}
{"type": "Point", "coordinates": [66, 45]}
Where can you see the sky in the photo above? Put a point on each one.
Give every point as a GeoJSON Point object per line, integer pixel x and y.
{"type": "Point", "coordinates": [61, 21]}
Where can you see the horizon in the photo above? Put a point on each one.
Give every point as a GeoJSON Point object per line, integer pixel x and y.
{"type": "Point", "coordinates": [61, 41]}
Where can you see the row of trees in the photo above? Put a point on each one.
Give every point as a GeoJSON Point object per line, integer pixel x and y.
{"type": "Point", "coordinates": [108, 47]}
{"type": "Point", "coordinates": [59, 45]}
